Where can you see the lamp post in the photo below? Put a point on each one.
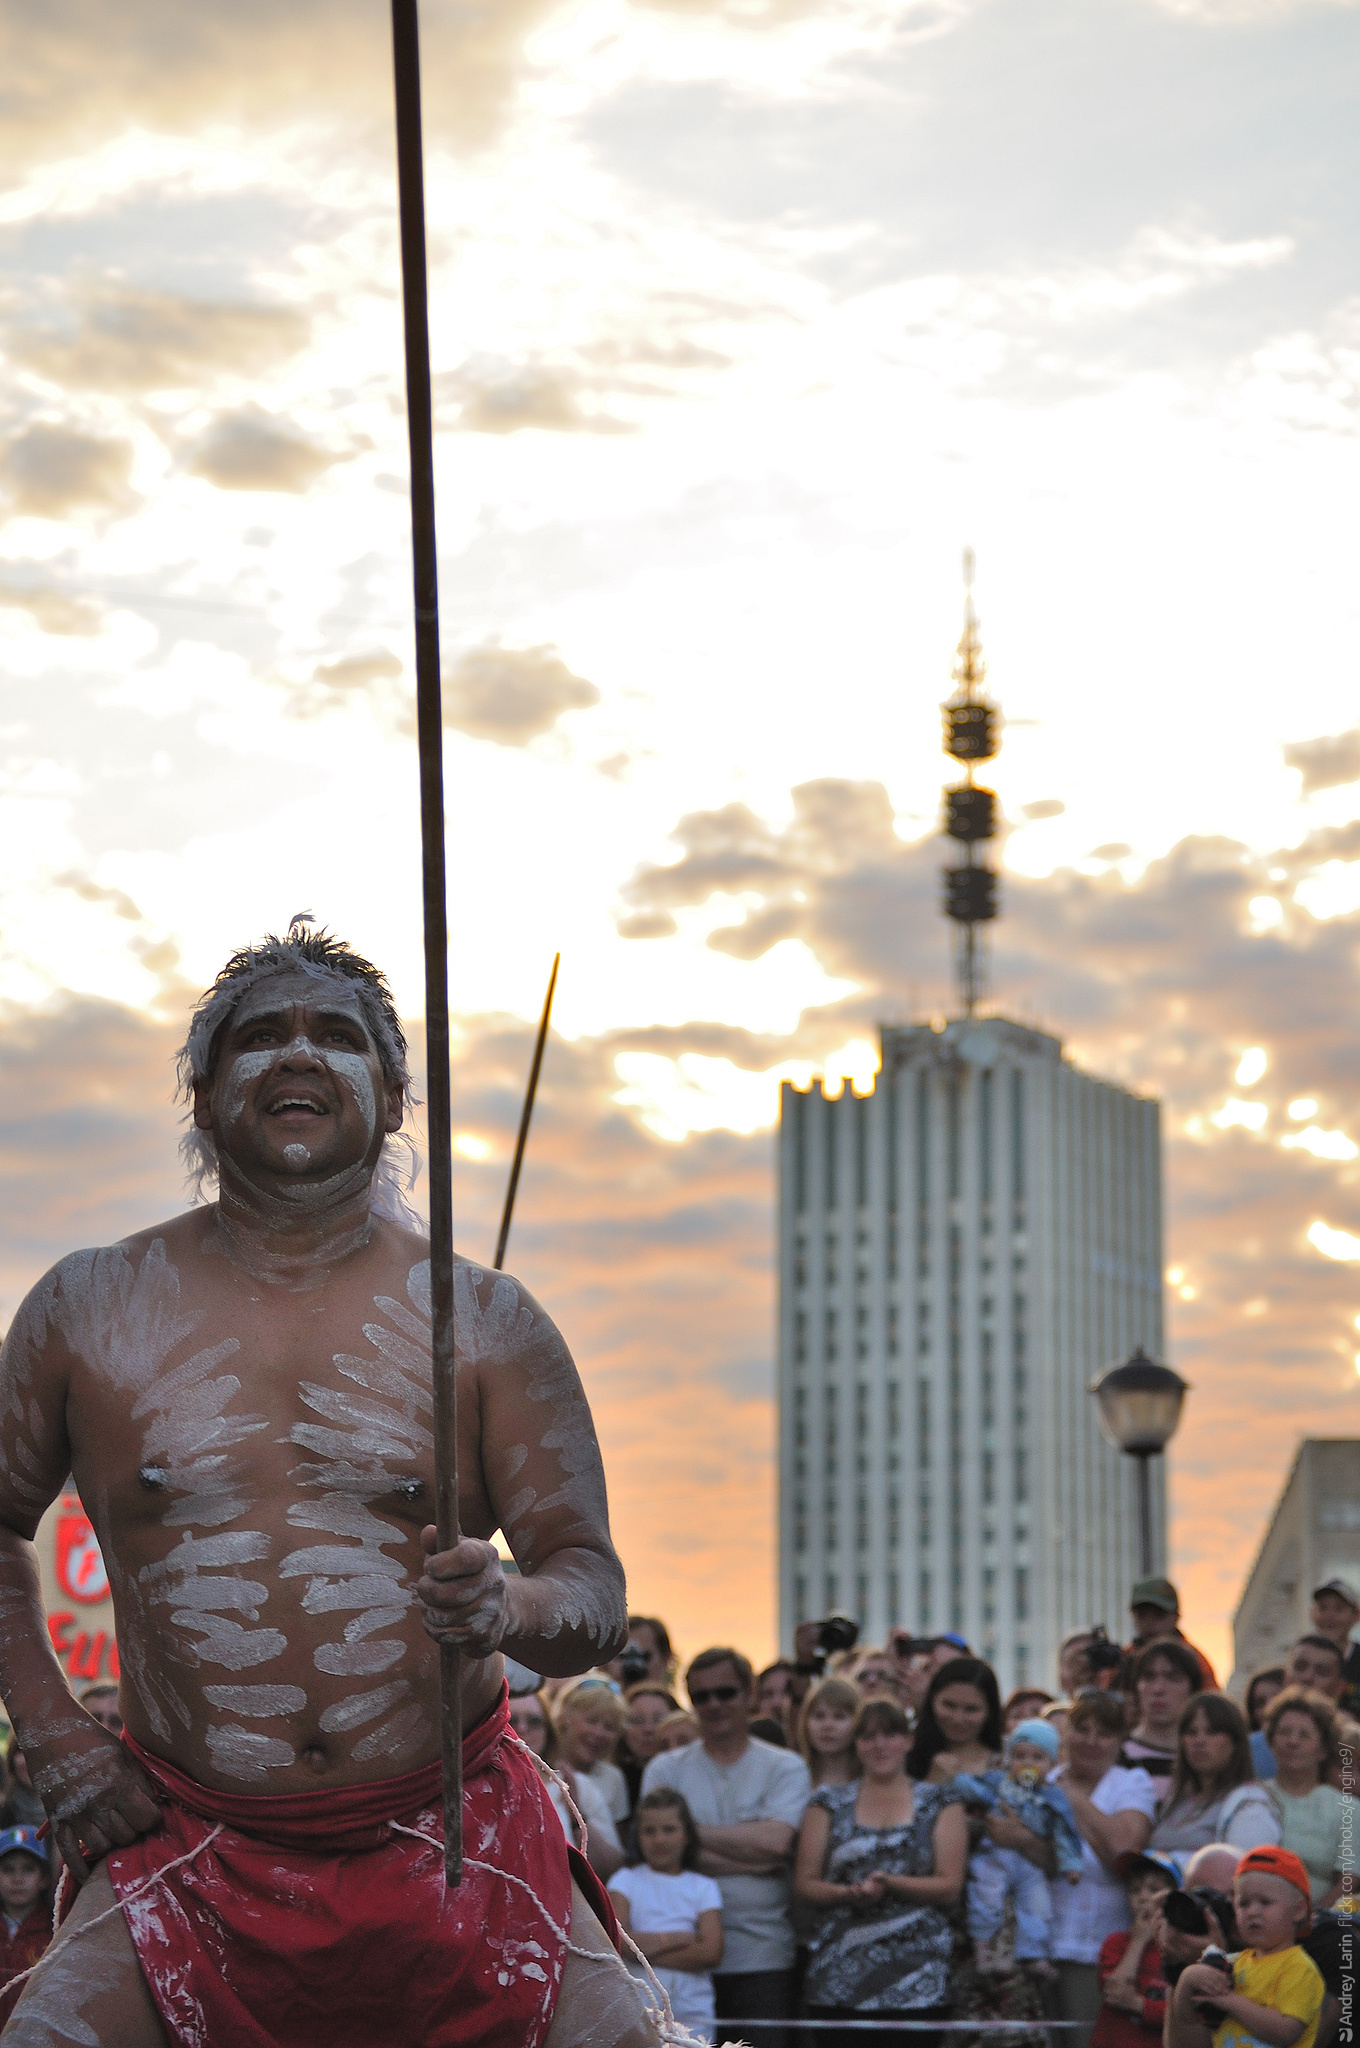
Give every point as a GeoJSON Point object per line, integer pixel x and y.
{"type": "Point", "coordinates": [1140, 1407]}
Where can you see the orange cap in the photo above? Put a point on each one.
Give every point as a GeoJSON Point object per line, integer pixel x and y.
{"type": "Point", "coordinates": [1275, 1862]}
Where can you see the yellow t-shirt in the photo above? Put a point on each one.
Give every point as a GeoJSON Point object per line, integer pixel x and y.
{"type": "Point", "coordinates": [1288, 1981]}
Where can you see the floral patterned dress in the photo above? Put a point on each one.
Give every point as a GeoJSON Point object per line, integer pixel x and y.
{"type": "Point", "coordinates": [892, 1956]}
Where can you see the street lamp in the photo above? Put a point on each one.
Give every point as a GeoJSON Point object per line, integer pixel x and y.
{"type": "Point", "coordinates": [1140, 1406]}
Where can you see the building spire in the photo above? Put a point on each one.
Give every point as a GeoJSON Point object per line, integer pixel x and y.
{"type": "Point", "coordinates": [970, 889]}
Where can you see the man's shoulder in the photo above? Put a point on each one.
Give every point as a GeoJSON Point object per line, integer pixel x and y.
{"type": "Point", "coordinates": [672, 1766]}
{"type": "Point", "coordinates": [783, 1764]}
{"type": "Point", "coordinates": [497, 1318]}
{"type": "Point", "coordinates": [80, 1294]}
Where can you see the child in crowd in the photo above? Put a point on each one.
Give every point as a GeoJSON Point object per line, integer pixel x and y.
{"type": "Point", "coordinates": [996, 1874]}
{"type": "Point", "coordinates": [26, 1909]}
{"type": "Point", "coordinates": [673, 1913]}
{"type": "Point", "coordinates": [1275, 1992]}
{"type": "Point", "coordinates": [677, 1731]}
{"type": "Point", "coordinates": [1129, 1972]}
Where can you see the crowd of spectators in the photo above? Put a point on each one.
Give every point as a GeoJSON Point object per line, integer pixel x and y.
{"type": "Point", "coordinates": [861, 1832]}
{"type": "Point", "coordinates": [872, 1833]}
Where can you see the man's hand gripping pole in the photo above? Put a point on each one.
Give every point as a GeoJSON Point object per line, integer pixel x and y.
{"type": "Point", "coordinates": [430, 737]}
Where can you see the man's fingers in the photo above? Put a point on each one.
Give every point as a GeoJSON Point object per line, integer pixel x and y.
{"type": "Point", "coordinates": [140, 1810]}
{"type": "Point", "coordinates": [469, 1559]}
{"type": "Point", "coordinates": [120, 1831]}
{"type": "Point", "coordinates": [70, 1853]}
{"type": "Point", "coordinates": [95, 1843]}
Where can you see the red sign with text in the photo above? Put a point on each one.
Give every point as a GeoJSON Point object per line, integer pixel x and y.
{"type": "Point", "coordinates": [80, 1564]}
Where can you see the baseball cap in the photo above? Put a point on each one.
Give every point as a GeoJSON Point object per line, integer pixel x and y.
{"type": "Point", "coordinates": [1148, 1859]}
{"type": "Point", "coordinates": [1272, 1861]}
{"type": "Point", "coordinates": [1342, 1588]}
{"type": "Point", "coordinates": [25, 1839]}
{"type": "Point", "coordinates": [1156, 1593]}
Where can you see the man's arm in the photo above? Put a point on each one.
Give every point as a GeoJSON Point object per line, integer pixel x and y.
{"type": "Point", "coordinates": [95, 1795]}
{"type": "Point", "coordinates": [544, 1480]}
{"type": "Point", "coordinates": [746, 1848]}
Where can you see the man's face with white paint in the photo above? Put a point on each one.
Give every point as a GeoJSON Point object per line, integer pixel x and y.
{"type": "Point", "coordinates": [298, 1091]}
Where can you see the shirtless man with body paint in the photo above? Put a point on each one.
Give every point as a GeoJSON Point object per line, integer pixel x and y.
{"type": "Point", "coordinates": [243, 1397]}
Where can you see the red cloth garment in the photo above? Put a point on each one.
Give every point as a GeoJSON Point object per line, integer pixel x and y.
{"type": "Point", "coordinates": [310, 1923]}
{"type": "Point", "coordinates": [20, 1951]}
{"type": "Point", "coordinates": [1117, 2029]}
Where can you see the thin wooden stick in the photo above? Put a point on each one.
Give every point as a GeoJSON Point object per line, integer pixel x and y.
{"type": "Point", "coordinates": [529, 1094]}
{"type": "Point", "coordinates": [430, 738]}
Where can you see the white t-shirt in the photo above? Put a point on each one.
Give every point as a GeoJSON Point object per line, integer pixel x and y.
{"type": "Point", "coordinates": [596, 1815]}
{"type": "Point", "coordinates": [765, 1783]}
{"type": "Point", "coordinates": [1095, 1906]}
{"type": "Point", "coordinates": [612, 1786]}
{"type": "Point", "coordinates": [659, 1903]}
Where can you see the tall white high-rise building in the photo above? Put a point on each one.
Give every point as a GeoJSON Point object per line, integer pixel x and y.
{"type": "Point", "coordinates": [961, 1251]}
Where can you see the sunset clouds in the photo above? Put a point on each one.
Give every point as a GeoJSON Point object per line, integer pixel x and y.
{"type": "Point", "coordinates": [746, 316]}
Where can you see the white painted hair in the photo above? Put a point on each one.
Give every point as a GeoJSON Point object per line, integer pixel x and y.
{"type": "Point", "coordinates": [324, 958]}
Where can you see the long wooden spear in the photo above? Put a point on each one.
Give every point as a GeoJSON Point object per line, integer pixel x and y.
{"type": "Point", "coordinates": [430, 738]}
{"type": "Point", "coordinates": [527, 1113]}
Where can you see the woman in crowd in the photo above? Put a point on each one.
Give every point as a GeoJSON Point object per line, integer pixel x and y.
{"type": "Point", "coordinates": [959, 1729]}
{"type": "Point", "coordinates": [1261, 1690]}
{"type": "Point", "coordinates": [1113, 1806]}
{"type": "Point", "coordinates": [825, 1739]}
{"type": "Point", "coordinates": [774, 1693]}
{"type": "Point", "coordinates": [646, 1706]}
{"type": "Point", "coordinates": [1315, 1819]}
{"type": "Point", "coordinates": [826, 1731]}
{"type": "Point", "coordinates": [1026, 1703]}
{"type": "Point", "coordinates": [960, 1722]}
{"type": "Point", "coordinates": [589, 1718]}
{"type": "Point", "coordinates": [1166, 1677]}
{"type": "Point", "coordinates": [882, 1857]}
{"type": "Point", "coordinates": [530, 1720]}
{"type": "Point", "coordinates": [1212, 1796]}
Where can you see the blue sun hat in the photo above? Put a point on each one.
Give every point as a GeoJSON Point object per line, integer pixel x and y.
{"type": "Point", "coordinates": [1042, 1734]}
{"type": "Point", "coordinates": [25, 1840]}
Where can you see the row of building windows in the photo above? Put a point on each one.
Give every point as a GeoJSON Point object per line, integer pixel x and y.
{"type": "Point", "coordinates": [1009, 1084]}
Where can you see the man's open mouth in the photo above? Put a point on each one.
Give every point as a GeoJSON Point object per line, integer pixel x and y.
{"type": "Point", "coordinates": [297, 1102]}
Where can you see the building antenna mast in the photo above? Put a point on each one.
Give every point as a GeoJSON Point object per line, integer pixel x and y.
{"type": "Point", "coordinates": [970, 735]}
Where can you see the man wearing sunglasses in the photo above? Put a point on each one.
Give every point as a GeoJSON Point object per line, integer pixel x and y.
{"type": "Point", "coordinates": [747, 1798]}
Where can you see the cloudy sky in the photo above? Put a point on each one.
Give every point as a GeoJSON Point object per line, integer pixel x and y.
{"type": "Point", "coordinates": [747, 318]}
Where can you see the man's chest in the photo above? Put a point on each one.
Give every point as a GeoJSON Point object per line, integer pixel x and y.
{"type": "Point", "coordinates": [724, 1798]}
{"type": "Point", "coordinates": [196, 1397]}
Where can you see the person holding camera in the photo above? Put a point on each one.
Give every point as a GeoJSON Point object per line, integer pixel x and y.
{"type": "Point", "coordinates": [1269, 1995]}
{"type": "Point", "coordinates": [1200, 1914]}
{"type": "Point", "coordinates": [646, 1657]}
